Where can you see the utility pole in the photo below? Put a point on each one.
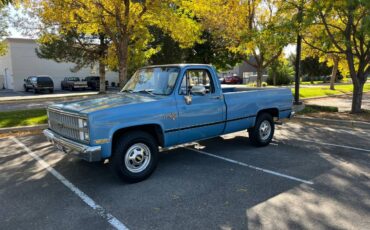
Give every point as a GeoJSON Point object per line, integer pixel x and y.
{"type": "Point", "coordinates": [298, 56]}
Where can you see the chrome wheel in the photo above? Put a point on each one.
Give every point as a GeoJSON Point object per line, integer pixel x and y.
{"type": "Point", "coordinates": [137, 158]}
{"type": "Point", "coordinates": [265, 130]}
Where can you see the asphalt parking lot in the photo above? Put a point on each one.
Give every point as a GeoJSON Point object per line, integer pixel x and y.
{"type": "Point", "coordinates": [311, 177]}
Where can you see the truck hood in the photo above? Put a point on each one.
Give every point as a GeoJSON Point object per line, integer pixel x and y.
{"type": "Point", "coordinates": [103, 102]}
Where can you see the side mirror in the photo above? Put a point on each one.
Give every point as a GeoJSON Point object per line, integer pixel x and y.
{"type": "Point", "coordinates": [188, 99]}
{"type": "Point", "coordinates": [198, 89]}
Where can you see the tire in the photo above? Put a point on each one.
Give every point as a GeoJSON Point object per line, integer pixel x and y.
{"type": "Point", "coordinates": [262, 133]}
{"type": "Point", "coordinates": [51, 90]}
{"type": "Point", "coordinates": [124, 166]}
{"type": "Point", "coordinates": [71, 88]}
{"type": "Point", "coordinates": [25, 88]}
{"type": "Point", "coordinates": [35, 91]}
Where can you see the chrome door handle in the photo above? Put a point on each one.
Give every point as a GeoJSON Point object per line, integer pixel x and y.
{"type": "Point", "coordinates": [216, 97]}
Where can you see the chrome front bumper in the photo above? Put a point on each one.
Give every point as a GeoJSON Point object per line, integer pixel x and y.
{"type": "Point", "coordinates": [85, 152]}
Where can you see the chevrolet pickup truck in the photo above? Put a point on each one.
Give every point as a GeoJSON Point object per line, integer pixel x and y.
{"type": "Point", "coordinates": [163, 106]}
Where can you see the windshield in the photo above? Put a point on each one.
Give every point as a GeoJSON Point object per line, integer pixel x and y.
{"type": "Point", "coordinates": [44, 79]}
{"type": "Point", "coordinates": [156, 80]}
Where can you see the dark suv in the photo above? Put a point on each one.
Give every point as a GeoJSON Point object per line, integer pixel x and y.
{"type": "Point", "coordinates": [38, 83]}
{"type": "Point", "coordinates": [93, 82]}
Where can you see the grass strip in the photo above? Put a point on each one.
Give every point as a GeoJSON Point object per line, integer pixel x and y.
{"type": "Point", "coordinates": [23, 118]}
{"type": "Point", "coordinates": [325, 90]}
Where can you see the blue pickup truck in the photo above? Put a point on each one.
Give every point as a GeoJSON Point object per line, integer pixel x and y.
{"type": "Point", "coordinates": [163, 106]}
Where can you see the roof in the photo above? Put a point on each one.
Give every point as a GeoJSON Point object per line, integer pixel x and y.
{"type": "Point", "coordinates": [177, 65]}
{"type": "Point", "coordinates": [23, 40]}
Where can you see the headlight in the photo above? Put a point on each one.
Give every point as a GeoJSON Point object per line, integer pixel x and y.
{"type": "Point", "coordinates": [84, 129]}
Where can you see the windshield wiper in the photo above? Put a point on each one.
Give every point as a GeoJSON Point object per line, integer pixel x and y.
{"type": "Point", "coordinates": [148, 91]}
{"type": "Point", "coordinates": [128, 91]}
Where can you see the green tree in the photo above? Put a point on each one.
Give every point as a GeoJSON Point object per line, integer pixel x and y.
{"type": "Point", "coordinates": [280, 72]}
{"type": "Point", "coordinates": [313, 68]}
{"type": "Point", "coordinates": [347, 28]}
{"type": "Point", "coordinates": [250, 28]}
{"type": "Point", "coordinates": [83, 50]}
{"type": "Point", "coordinates": [210, 51]}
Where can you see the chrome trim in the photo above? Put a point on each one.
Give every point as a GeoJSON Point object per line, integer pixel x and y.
{"type": "Point", "coordinates": [67, 124]}
{"type": "Point", "coordinates": [67, 113]}
{"type": "Point", "coordinates": [85, 152]}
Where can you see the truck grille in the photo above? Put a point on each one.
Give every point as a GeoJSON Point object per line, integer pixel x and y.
{"type": "Point", "coordinates": [64, 124]}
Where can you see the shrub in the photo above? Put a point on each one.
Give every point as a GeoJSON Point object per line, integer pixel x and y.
{"type": "Point", "coordinates": [284, 74]}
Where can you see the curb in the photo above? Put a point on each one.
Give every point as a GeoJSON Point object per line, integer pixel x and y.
{"type": "Point", "coordinates": [350, 124]}
{"type": "Point", "coordinates": [23, 128]}
{"type": "Point", "coordinates": [25, 99]}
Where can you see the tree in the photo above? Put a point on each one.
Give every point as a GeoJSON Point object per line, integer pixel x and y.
{"type": "Point", "coordinates": [83, 50]}
{"type": "Point", "coordinates": [249, 28]}
{"type": "Point", "coordinates": [126, 23]}
{"type": "Point", "coordinates": [347, 27]}
{"type": "Point", "coordinates": [3, 26]}
{"type": "Point", "coordinates": [312, 67]}
{"type": "Point", "coordinates": [211, 51]}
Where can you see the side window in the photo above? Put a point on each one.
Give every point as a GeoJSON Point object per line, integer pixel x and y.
{"type": "Point", "coordinates": [196, 77]}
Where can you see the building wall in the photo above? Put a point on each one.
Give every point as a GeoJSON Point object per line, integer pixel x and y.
{"type": "Point", "coordinates": [6, 70]}
{"type": "Point", "coordinates": [25, 63]}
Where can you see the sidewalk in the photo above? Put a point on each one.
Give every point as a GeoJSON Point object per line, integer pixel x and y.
{"type": "Point", "coordinates": [343, 102]}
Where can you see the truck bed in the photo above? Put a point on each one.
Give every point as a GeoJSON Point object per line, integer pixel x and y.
{"type": "Point", "coordinates": [243, 103]}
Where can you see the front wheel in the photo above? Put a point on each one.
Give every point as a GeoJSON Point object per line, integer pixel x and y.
{"type": "Point", "coordinates": [135, 156]}
{"type": "Point", "coordinates": [261, 134]}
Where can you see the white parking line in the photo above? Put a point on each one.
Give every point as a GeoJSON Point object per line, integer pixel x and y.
{"type": "Point", "coordinates": [85, 198]}
{"type": "Point", "coordinates": [335, 145]}
{"type": "Point", "coordinates": [252, 167]}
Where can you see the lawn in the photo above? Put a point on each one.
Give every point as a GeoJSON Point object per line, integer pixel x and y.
{"type": "Point", "coordinates": [325, 91]}
{"type": "Point", "coordinates": [23, 118]}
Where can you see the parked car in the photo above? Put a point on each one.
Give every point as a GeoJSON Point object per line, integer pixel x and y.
{"type": "Point", "coordinates": [93, 82]}
{"type": "Point", "coordinates": [221, 80]}
{"type": "Point", "coordinates": [72, 83]}
{"type": "Point", "coordinates": [38, 83]}
{"type": "Point", "coordinates": [163, 106]}
{"type": "Point", "coordinates": [233, 80]}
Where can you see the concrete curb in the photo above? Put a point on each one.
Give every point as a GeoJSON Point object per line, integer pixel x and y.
{"type": "Point", "coordinates": [20, 99]}
{"type": "Point", "coordinates": [23, 128]}
{"type": "Point", "coordinates": [350, 124]}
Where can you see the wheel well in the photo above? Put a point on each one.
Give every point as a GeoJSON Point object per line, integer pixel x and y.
{"type": "Point", "coordinates": [274, 112]}
{"type": "Point", "coordinates": [152, 129]}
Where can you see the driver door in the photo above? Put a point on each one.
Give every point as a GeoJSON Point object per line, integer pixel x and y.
{"type": "Point", "coordinates": [204, 116]}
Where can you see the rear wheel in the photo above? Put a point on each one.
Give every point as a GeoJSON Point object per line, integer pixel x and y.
{"type": "Point", "coordinates": [25, 88]}
{"type": "Point", "coordinates": [35, 91]}
{"type": "Point", "coordinates": [51, 90]}
{"type": "Point", "coordinates": [135, 156]}
{"type": "Point", "coordinates": [261, 134]}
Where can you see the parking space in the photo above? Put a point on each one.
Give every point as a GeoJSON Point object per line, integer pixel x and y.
{"type": "Point", "coordinates": [299, 181]}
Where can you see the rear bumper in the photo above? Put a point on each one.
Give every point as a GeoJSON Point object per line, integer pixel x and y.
{"type": "Point", "coordinates": [85, 152]}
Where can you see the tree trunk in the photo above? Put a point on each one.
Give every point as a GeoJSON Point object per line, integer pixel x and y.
{"type": "Point", "coordinates": [102, 77]}
{"type": "Point", "coordinates": [274, 78]}
{"type": "Point", "coordinates": [334, 73]}
{"type": "Point", "coordinates": [259, 77]}
{"type": "Point", "coordinates": [358, 88]}
{"type": "Point", "coordinates": [102, 53]}
{"type": "Point", "coordinates": [123, 61]}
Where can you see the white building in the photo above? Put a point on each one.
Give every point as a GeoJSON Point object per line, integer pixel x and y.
{"type": "Point", "coordinates": [21, 61]}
